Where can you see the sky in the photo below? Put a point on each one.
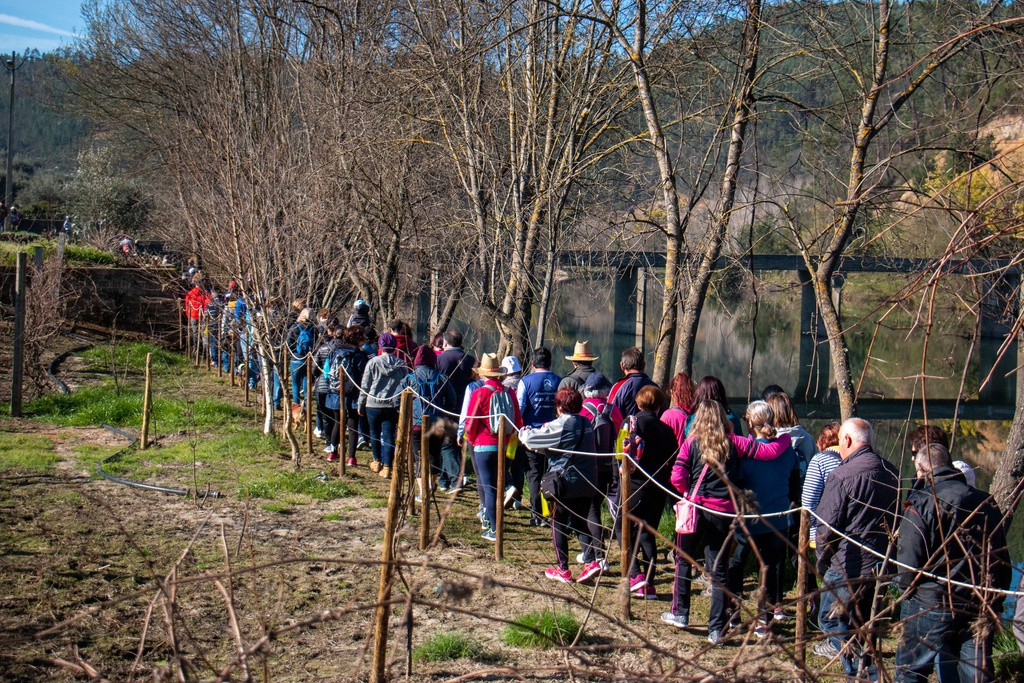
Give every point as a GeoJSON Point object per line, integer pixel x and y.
{"type": "Point", "coordinates": [43, 25]}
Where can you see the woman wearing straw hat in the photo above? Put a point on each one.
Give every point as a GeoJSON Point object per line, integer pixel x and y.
{"type": "Point", "coordinates": [480, 435]}
{"type": "Point", "coordinates": [582, 367]}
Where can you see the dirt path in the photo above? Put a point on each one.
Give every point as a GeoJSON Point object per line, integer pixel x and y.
{"type": "Point", "coordinates": [74, 544]}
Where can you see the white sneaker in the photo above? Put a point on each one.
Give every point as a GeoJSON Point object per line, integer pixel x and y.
{"type": "Point", "coordinates": [317, 433]}
{"type": "Point", "coordinates": [329, 449]}
{"type": "Point", "coordinates": [579, 559]}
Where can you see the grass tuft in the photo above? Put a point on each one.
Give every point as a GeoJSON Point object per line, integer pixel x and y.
{"type": "Point", "coordinates": [275, 506]}
{"type": "Point", "coordinates": [26, 453]}
{"type": "Point", "coordinates": [541, 629]}
{"type": "Point", "coordinates": [1007, 658]}
{"type": "Point", "coordinates": [332, 517]}
{"type": "Point", "coordinates": [296, 483]}
{"type": "Point", "coordinates": [447, 646]}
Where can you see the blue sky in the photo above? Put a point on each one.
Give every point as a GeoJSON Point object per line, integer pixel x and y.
{"type": "Point", "coordinates": [41, 24]}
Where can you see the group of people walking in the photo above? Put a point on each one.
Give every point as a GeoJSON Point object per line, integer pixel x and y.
{"type": "Point", "coordinates": [567, 440]}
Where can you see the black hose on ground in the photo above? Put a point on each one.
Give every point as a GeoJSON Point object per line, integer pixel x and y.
{"type": "Point", "coordinates": [51, 372]}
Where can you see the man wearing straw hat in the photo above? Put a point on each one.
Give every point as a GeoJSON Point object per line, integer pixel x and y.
{"type": "Point", "coordinates": [582, 367]}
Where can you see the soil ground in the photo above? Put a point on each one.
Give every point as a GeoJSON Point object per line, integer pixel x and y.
{"type": "Point", "coordinates": [98, 579]}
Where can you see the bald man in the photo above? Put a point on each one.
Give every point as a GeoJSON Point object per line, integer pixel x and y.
{"type": "Point", "coordinates": [859, 502]}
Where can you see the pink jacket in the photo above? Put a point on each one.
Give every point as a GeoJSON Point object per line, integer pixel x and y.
{"type": "Point", "coordinates": [478, 430]}
{"type": "Point", "coordinates": [747, 447]}
{"type": "Point", "coordinates": [676, 417]}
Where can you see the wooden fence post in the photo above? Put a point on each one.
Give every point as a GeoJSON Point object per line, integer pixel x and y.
{"type": "Point", "coordinates": [309, 404]}
{"type": "Point", "coordinates": [383, 611]}
{"type": "Point", "coordinates": [499, 496]}
{"type": "Point", "coordinates": [147, 402]}
{"type": "Point", "coordinates": [18, 361]}
{"type": "Point", "coordinates": [220, 349]}
{"type": "Point", "coordinates": [181, 327]}
{"type": "Point", "coordinates": [248, 350]}
{"type": "Point", "coordinates": [624, 529]}
{"type": "Point", "coordinates": [802, 567]}
{"type": "Point", "coordinates": [425, 476]}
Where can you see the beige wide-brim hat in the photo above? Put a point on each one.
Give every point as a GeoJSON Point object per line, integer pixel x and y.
{"type": "Point", "coordinates": [582, 352]}
{"type": "Point", "coordinates": [490, 366]}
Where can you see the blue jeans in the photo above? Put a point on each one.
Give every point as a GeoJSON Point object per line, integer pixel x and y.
{"type": "Point", "coordinates": [932, 634]}
{"type": "Point", "coordinates": [383, 422]}
{"type": "Point", "coordinates": [297, 369]}
{"type": "Point", "coordinates": [845, 607]}
{"type": "Point", "coordinates": [486, 462]}
{"type": "Point", "coordinates": [451, 465]}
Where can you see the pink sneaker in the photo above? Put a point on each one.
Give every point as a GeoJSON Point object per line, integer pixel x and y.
{"type": "Point", "coordinates": [637, 584]}
{"type": "Point", "coordinates": [648, 593]}
{"type": "Point", "coordinates": [351, 462]}
{"type": "Point", "coordinates": [556, 574]}
{"type": "Point", "coordinates": [589, 571]}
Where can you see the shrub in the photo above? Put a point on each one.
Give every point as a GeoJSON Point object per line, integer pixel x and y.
{"type": "Point", "coordinates": [541, 629]}
{"type": "Point", "coordinates": [447, 646]}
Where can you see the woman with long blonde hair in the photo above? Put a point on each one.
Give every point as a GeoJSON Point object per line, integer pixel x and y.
{"type": "Point", "coordinates": [707, 471]}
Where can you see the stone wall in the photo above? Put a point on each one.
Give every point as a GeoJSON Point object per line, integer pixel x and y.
{"type": "Point", "coordinates": [132, 299]}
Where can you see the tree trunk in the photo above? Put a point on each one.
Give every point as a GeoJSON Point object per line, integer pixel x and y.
{"type": "Point", "coordinates": [693, 305]}
{"type": "Point", "coordinates": [1007, 480]}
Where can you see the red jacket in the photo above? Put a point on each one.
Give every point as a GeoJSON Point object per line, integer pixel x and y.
{"type": "Point", "coordinates": [196, 302]}
{"type": "Point", "coordinates": [478, 428]}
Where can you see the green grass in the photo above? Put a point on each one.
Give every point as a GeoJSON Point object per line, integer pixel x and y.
{"type": "Point", "coordinates": [275, 506]}
{"type": "Point", "coordinates": [333, 517]}
{"type": "Point", "coordinates": [132, 355]}
{"type": "Point", "coordinates": [97, 405]}
{"type": "Point", "coordinates": [303, 483]}
{"type": "Point", "coordinates": [541, 629]}
{"type": "Point", "coordinates": [1007, 658]}
{"type": "Point", "coordinates": [447, 646]}
{"type": "Point", "coordinates": [26, 453]}
{"type": "Point", "coordinates": [73, 253]}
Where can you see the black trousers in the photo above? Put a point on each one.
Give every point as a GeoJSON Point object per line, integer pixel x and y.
{"type": "Point", "coordinates": [537, 465]}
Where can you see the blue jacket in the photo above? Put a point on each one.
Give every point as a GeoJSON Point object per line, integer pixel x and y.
{"type": "Point", "coordinates": [771, 481]}
{"type": "Point", "coordinates": [537, 397]}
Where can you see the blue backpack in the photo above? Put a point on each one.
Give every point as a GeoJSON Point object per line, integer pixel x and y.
{"type": "Point", "coordinates": [304, 344]}
{"type": "Point", "coordinates": [428, 390]}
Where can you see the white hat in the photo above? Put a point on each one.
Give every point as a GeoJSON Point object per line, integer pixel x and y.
{"type": "Point", "coordinates": [967, 470]}
{"type": "Point", "coordinates": [511, 365]}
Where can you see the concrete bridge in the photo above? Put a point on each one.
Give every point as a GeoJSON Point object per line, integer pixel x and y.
{"type": "Point", "coordinates": [998, 311]}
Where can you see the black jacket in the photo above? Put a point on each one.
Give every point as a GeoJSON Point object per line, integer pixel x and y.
{"type": "Point", "coordinates": [660, 447]}
{"type": "Point", "coordinates": [859, 500]}
{"type": "Point", "coordinates": [952, 530]}
{"type": "Point", "coordinates": [457, 365]}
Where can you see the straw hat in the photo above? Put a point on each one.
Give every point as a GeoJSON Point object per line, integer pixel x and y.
{"type": "Point", "coordinates": [582, 352]}
{"type": "Point", "coordinates": [490, 366]}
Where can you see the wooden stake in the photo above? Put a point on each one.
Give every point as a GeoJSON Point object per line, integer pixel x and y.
{"type": "Point", "coordinates": [802, 567]}
{"type": "Point", "coordinates": [180, 305]}
{"type": "Point", "coordinates": [248, 350]}
{"type": "Point", "coordinates": [499, 497]}
{"type": "Point", "coordinates": [309, 404]}
{"type": "Point", "coordinates": [220, 349]}
{"type": "Point", "coordinates": [383, 611]}
{"type": "Point", "coordinates": [410, 465]}
{"type": "Point", "coordinates": [231, 363]}
{"type": "Point", "coordinates": [425, 476]}
{"type": "Point", "coordinates": [624, 529]}
{"type": "Point", "coordinates": [18, 361]}
{"type": "Point", "coordinates": [147, 402]}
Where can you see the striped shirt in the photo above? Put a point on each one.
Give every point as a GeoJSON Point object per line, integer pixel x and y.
{"type": "Point", "coordinates": [820, 467]}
